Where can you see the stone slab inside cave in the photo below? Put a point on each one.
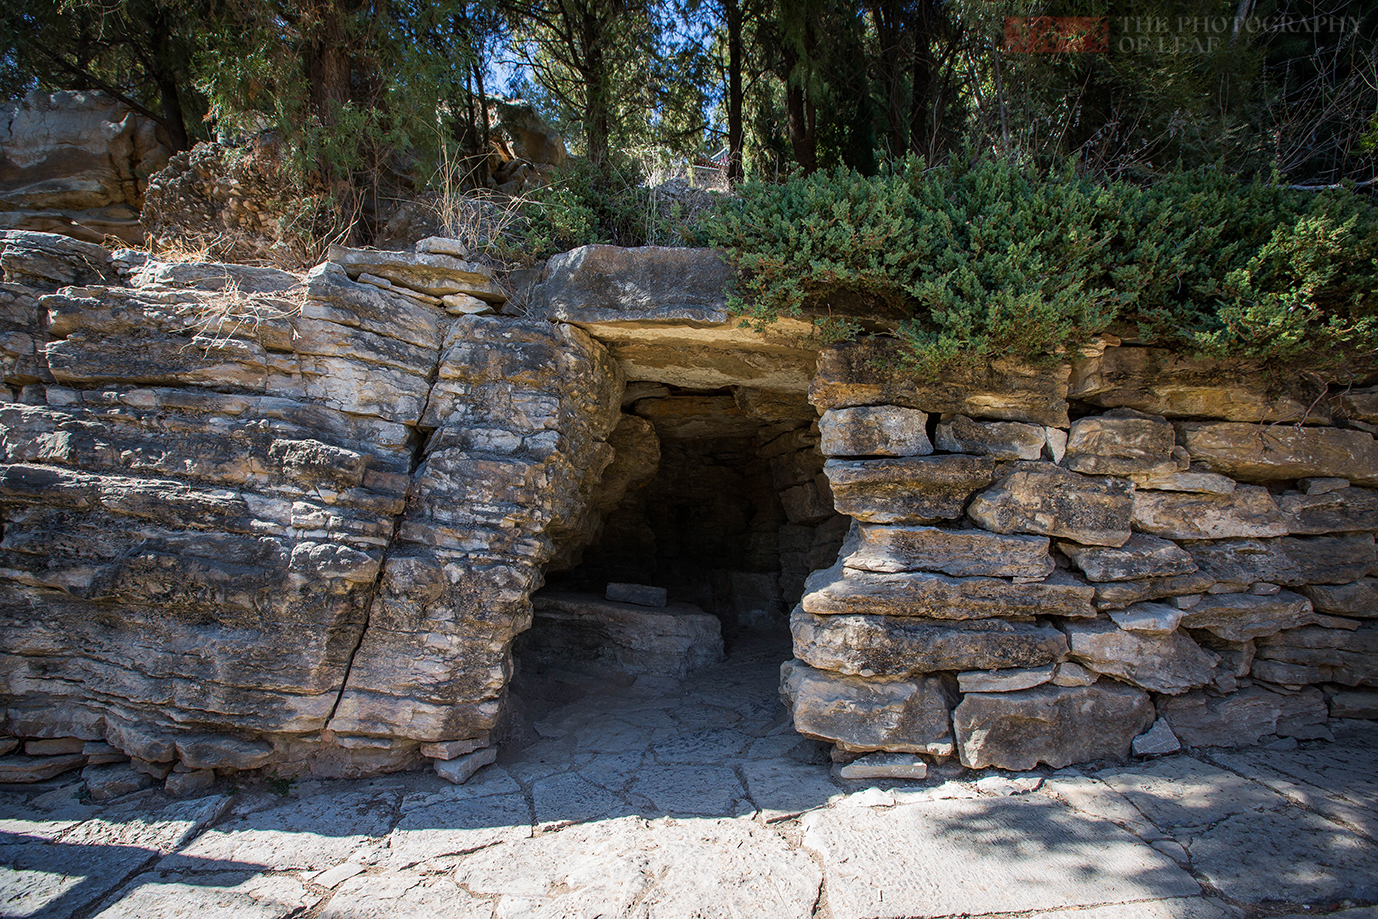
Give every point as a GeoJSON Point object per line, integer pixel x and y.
{"type": "Point", "coordinates": [718, 497]}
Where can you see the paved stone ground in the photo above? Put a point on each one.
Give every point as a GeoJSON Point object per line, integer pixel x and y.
{"type": "Point", "coordinates": [698, 801]}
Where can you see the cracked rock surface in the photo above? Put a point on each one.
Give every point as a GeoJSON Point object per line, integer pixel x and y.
{"type": "Point", "coordinates": [695, 798]}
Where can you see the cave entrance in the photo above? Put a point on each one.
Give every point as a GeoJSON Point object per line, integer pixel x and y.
{"type": "Point", "coordinates": [715, 497]}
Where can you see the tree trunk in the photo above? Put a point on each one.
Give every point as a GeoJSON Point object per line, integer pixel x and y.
{"type": "Point", "coordinates": [328, 66]}
{"type": "Point", "coordinates": [165, 76]}
{"type": "Point", "coordinates": [733, 14]}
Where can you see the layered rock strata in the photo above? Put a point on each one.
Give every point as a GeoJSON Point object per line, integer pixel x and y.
{"type": "Point", "coordinates": [1171, 559]}
{"type": "Point", "coordinates": [252, 518]}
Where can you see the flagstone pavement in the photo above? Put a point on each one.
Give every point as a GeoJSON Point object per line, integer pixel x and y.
{"type": "Point", "coordinates": [696, 799]}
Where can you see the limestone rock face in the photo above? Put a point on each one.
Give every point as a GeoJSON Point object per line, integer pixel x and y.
{"type": "Point", "coordinates": [1119, 443]}
{"type": "Point", "coordinates": [1209, 719]}
{"type": "Point", "coordinates": [882, 430]}
{"type": "Point", "coordinates": [663, 314]}
{"type": "Point", "coordinates": [961, 553]}
{"type": "Point", "coordinates": [1141, 557]}
{"type": "Point", "coordinates": [910, 490]}
{"type": "Point", "coordinates": [888, 646]}
{"type": "Point", "coordinates": [1245, 451]}
{"type": "Point", "coordinates": [207, 520]}
{"type": "Point", "coordinates": [1248, 511]}
{"type": "Point", "coordinates": [76, 163]}
{"type": "Point", "coordinates": [1055, 725]}
{"type": "Point", "coordinates": [1010, 440]}
{"type": "Point", "coordinates": [1156, 381]}
{"type": "Point", "coordinates": [850, 374]}
{"type": "Point", "coordinates": [841, 590]}
{"type": "Point", "coordinates": [1049, 501]}
{"type": "Point", "coordinates": [861, 716]}
{"type": "Point", "coordinates": [1169, 664]}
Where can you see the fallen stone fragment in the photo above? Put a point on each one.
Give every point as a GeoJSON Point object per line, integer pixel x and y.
{"type": "Point", "coordinates": [449, 749]}
{"type": "Point", "coordinates": [158, 770]}
{"type": "Point", "coordinates": [1206, 718]}
{"type": "Point", "coordinates": [585, 631]}
{"type": "Point", "coordinates": [1009, 440]}
{"type": "Point", "coordinates": [861, 715]}
{"type": "Point", "coordinates": [443, 245]}
{"type": "Point", "coordinates": [884, 766]}
{"type": "Point", "coordinates": [1248, 511]}
{"type": "Point", "coordinates": [24, 769]}
{"type": "Point", "coordinates": [1057, 444]}
{"type": "Point", "coordinates": [460, 769]}
{"type": "Point", "coordinates": [1050, 724]}
{"type": "Point", "coordinates": [8, 745]}
{"type": "Point", "coordinates": [639, 594]}
{"type": "Point", "coordinates": [960, 553]}
{"type": "Point", "coordinates": [1358, 600]}
{"type": "Point", "coordinates": [1142, 556]}
{"type": "Point", "coordinates": [1157, 740]}
{"type": "Point", "coordinates": [1148, 618]}
{"type": "Point", "coordinates": [1321, 485]}
{"type": "Point", "coordinates": [1121, 442]}
{"type": "Point", "coordinates": [99, 753]}
{"type": "Point", "coordinates": [888, 646]}
{"type": "Point", "coordinates": [1047, 500]}
{"type": "Point", "coordinates": [105, 783]}
{"type": "Point", "coordinates": [907, 490]}
{"type": "Point", "coordinates": [1004, 680]}
{"type": "Point", "coordinates": [1161, 663]}
{"type": "Point", "coordinates": [465, 305]}
{"type": "Point", "coordinates": [1275, 452]}
{"type": "Point", "coordinates": [874, 430]}
{"type": "Point", "coordinates": [840, 590]}
{"type": "Point", "coordinates": [1243, 617]}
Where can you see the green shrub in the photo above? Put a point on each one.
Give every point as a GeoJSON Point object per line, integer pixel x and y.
{"type": "Point", "coordinates": [586, 205]}
{"type": "Point", "coordinates": [997, 260]}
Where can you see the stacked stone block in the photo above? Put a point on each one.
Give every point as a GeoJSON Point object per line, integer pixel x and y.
{"type": "Point", "coordinates": [1018, 587]}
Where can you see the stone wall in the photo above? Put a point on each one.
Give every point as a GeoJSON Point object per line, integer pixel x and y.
{"type": "Point", "coordinates": [254, 519]}
{"type": "Point", "coordinates": [1133, 552]}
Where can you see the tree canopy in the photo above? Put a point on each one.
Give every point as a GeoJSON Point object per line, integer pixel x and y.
{"type": "Point", "coordinates": [359, 88]}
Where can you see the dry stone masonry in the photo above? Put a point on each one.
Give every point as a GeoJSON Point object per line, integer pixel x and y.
{"type": "Point", "coordinates": [1131, 553]}
{"type": "Point", "coordinates": [253, 519]}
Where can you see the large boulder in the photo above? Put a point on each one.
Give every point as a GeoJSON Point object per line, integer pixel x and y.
{"type": "Point", "coordinates": [889, 646]}
{"type": "Point", "coordinates": [1056, 725]}
{"type": "Point", "coordinates": [917, 489]}
{"type": "Point", "coordinates": [1141, 557]}
{"type": "Point", "coordinates": [76, 164]}
{"type": "Point", "coordinates": [864, 373]}
{"type": "Point", "coordinates": [1276, 452]}
{"type": "Point", "coordinates": [1314, 654]}
{"type": "Point", "coordinates": [960, 553]}
{"type": "Point", "coordinates": [1120, 442]}
{"type": "Point", "coordinates": [841, 590]}
{"type": "Point", "coordinates": [864, 715]}
{"type": "Point", "coordinates": [1247, 511]}
{"type": "Point", "coordinates": [1206, 718]}
{"type": "Point", "coordinates": [663, 314]}
{"type": "Point", "coordinates": [1159, 382]}
{"type": "Point", "coordinates": [1046, 500]}
{"type": "Point", "coordinates": [1171, 663]}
